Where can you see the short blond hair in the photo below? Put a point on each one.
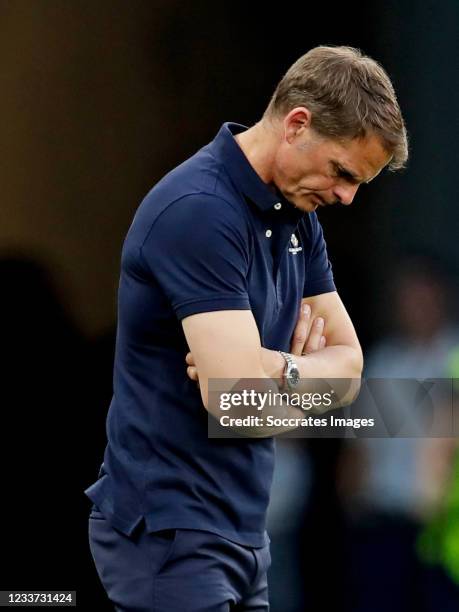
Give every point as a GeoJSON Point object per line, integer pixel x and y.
{"type": "Point", "coordinates": [349, 95]}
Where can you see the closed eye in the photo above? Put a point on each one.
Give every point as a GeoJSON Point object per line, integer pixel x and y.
{"type": "Point", "coordinates": [346, 175]}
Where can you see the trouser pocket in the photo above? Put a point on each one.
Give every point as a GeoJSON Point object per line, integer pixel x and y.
{"type": "Point", "coordinates": [162, 545]}
{"type": "Point", "coordinates": [127, 565]}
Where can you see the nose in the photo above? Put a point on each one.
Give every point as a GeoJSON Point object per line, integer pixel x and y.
{"type": "Point", "coordinates": [345, 193]}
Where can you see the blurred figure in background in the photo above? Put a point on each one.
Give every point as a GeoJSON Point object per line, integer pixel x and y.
{"type": "Point", "coordinates": [391, 487]}
{"type": "Point", "coordinates": [291, 488]}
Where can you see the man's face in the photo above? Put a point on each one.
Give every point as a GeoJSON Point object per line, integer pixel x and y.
{"type": "Point", "coordinates": [311, 171]}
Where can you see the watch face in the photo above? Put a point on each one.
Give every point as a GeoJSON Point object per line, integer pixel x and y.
{"type": "Point", "coordinates": [293, 375]}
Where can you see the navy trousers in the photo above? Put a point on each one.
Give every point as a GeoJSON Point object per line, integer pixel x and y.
{"type": "Point", "coordinates": [177, 570]}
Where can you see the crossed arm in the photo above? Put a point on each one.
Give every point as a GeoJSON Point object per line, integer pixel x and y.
{"type": "Point", "coordinates": [226, 345]}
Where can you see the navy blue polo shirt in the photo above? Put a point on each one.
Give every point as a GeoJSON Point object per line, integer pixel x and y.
{"type": "Point", "coordinates": [211, 235]}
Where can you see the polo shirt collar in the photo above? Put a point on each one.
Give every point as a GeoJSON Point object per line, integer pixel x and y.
{"type": "Point", "coordinates": [242, 173]}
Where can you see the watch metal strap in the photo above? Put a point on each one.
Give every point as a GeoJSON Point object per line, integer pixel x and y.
{"type": "Point", "coordinates": [289, 362]}
{"type": "Point", "coordinates": [287, 357]}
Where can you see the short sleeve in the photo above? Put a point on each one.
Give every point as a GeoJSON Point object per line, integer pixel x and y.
{"type": "Point", "coordinates": [198, 251]}
{"type": "Point", "coordinates": [319, 275]}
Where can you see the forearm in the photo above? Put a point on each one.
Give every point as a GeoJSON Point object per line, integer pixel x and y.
{"type": "Point", "coordinates": [274, 420]}
{"type": "Point", "coordinates": [338, 366]}
{"type": "Point", "coordinates": [336, 369]}
{"type": "Point", "coordinates": [258, 400]}
{"type": "Point", "coordinates": [331, 362]}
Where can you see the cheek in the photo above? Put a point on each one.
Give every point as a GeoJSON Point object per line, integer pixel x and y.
{"type": "Point", "coordinates": [286, 168]}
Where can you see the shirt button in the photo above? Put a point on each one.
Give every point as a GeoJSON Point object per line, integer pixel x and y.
{"type": "Point", "coordinates": [268, 233]}
{"type": "Point", "coordinates": [278, 206]}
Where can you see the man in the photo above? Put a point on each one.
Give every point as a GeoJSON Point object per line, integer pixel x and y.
{"type": "Point", "coordinates": [219, 258]}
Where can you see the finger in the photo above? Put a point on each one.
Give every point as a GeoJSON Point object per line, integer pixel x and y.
{"type": "Point", "coordinates": [192, 372]}
{"type": "Point", "coordinates": [300, 333]}
{"type": "Point", "coordinates": [323, 342]}
{"type": "Point", "coordinates": [313, 342]}
{"type": "Point", "coordinates": [189, 359]}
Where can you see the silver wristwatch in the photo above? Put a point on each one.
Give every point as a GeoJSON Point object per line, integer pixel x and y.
{"type": "Point", "coordinates": [291, 374]}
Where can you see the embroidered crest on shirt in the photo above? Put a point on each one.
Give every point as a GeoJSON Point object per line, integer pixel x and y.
{"type": "Point", "coordinates": [296, 248]}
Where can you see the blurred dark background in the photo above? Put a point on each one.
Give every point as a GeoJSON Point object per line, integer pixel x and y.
{"type": "Point", "coordinates": [99, 100]}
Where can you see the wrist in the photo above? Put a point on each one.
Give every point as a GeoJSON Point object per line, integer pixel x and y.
{"type": "Point", "coordinates": [273, 363]}
{"type": "Point", "coordinates": [291, 373]}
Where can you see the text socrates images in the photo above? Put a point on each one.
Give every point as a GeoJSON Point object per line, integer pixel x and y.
{"type": "Point", "coordinates": [380, 407]}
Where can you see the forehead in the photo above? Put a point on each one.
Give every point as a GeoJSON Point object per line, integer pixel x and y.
{"type": "Point", "coordinates": [364, 157]}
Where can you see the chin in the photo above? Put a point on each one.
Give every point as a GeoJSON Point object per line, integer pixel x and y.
{"type": "Point", "coordinates": [305, 205]}
{"type": "Point", "coordinates": [306, 201]}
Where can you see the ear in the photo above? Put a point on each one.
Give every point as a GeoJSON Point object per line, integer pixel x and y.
{"type": "Point", "coordinates": [296, 122]}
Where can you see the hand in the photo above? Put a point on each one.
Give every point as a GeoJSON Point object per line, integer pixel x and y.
{"type": "Point", "coordinates": [308, 335]}
{"type": "Point", "coordinates": [307, 338]}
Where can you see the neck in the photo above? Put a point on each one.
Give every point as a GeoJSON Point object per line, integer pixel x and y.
{"type": "Point", "coordinates": [258, 144]}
